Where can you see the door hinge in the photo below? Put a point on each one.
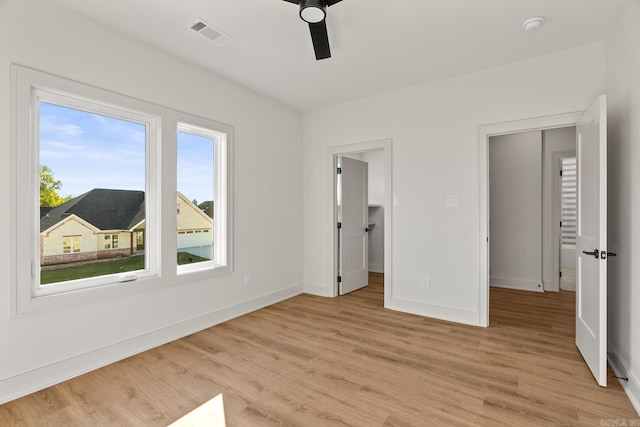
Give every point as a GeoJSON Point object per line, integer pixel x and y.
{"type": "Point", "coordinates": [560, 224]}
{"type": "Point", "coordinates": [339, 225]}
{"type": "Point", "coordinates": [561, 274]}
{"type": "Point", "coordinates": [339, 279]}
{"type": "Point", "coordinates": [560, 173]}
{"type": "Point", "coordinates": [339, 171]}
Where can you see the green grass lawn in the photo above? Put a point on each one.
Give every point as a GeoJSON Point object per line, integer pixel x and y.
{"type": "Point", "coordinates": [183, 258]}
{"type": "Point", "coordinates": [119, 265]}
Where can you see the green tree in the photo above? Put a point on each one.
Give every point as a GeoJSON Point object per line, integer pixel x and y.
{"type": "Point", "coordinates": [49, 187]}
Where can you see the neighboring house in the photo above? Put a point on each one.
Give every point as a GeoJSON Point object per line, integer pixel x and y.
{"type": "Point", "coordinates": [195, 228]}
{"type": "Point", "coordinates": [105, 223]}
{"type": "Point", "coordinates": [207, 207]}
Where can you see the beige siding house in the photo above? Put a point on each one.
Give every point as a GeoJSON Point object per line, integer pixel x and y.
{"type": "Point", "coordinates": [106, 223]}
{"type": "Point", "coordinates": [195, 229]}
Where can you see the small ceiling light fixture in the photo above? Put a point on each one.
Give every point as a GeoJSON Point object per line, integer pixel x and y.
{"type": "Point", "coordinates": [313, 11]}
{"type": "Point", "coordinates": [533, 24]}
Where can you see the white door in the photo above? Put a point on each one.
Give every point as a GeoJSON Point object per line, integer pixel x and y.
{"type": "Point", "coordinates": [353, 217]}
{"type": "Point", "coordinates": [591, 242]}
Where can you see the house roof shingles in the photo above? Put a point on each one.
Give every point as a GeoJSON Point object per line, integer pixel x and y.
{"type": "Point", "coordinates": [207, 207]}
{"type": "Point", "coordinates": [103, 208]}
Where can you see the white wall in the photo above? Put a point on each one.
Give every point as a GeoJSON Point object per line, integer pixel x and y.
{"type": "Point", "coordinates": [375, 160]}
{"type": "Point", "coordinates": [623, 91]}
{"type": "Point", "coordinates": [42, 348]}
{"type": "Point", "coordinates": [434, 128]}
{"type": "Point", "coordinates": [515, 166]}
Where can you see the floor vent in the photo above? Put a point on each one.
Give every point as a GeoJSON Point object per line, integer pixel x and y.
{"type": "Point", "coordinates": [211, 32]}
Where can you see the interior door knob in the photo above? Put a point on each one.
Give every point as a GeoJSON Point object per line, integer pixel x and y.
{"type": "Point", "coordinates": [595, 253]}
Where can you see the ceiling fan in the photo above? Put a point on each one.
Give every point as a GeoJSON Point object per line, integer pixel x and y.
{"type": "Point", "coordinates": [314, 13]}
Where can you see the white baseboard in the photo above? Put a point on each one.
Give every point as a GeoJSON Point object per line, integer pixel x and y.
{"type": "Point", "coordinates": [520, 284]}
{"type": "Point", "coordinates": [436, 311]}
{"type": "Point", "coordinates": [631, 387]}
{"type": "Point", "coordinates": [319, 290]}
{"type": "Point", "coordinates": [49, 375]}
{"type": "Point", "coordinates": [376, 268]}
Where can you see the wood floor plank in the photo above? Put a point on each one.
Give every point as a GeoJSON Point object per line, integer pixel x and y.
{"type": "Point", "coordinates": [313, 361]}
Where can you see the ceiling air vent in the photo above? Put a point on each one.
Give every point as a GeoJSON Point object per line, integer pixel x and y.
{"type": "Point", "coordinates": [211, 32]}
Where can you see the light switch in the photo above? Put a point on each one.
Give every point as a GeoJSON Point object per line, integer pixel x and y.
{"type": "Point", "coordinates": [452, 200]}
{"type": "Point", "coordinates": [396, 201]}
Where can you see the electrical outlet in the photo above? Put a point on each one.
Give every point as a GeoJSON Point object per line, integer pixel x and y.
{"type": "Point", "coordinates": [247, 279]}
{"type": "Point", "coordinates": [426, 281]}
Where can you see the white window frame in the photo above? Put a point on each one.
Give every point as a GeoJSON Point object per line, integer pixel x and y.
{"type": "Point", "coordinates": [220, 228]}
{"type": "Point", "coordinates": [27, 295]}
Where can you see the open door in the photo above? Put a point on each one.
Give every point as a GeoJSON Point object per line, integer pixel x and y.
{"type": "Point", "coordinates": [353, 219]}
{"type": "Point", "coordinates": [591, 242]}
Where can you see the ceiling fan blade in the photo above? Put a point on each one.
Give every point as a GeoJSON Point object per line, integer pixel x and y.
{"type": "Point", "coordinates": [330, 2]}
{"type": "Point", "coordinates": [295, 1]}
{"type": "Point", "coordinates": [320, 40]}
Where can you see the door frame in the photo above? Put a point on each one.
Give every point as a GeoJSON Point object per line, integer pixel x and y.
{"type": "Point", "coordinates": [557, 215]}
{"type": "Point", "coordinates": [383, 145]}
{"type": "Point", "coordinates": [484, 133]}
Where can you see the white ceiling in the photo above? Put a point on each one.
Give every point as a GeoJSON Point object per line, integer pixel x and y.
{"type": "Point", "coordinates": [377, 45]}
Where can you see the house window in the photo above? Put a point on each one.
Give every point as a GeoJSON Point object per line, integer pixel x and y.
{"type": "Point", "coordinates": [111, 241]}
{"type": "Point", "coordinates": [568, 189]}
{"type": "Point", "coordinates": [93, 162]}
{"type": "Point", "coordinates": [70, 244]}
{"type": "Point", "coordinates": [201, 183]}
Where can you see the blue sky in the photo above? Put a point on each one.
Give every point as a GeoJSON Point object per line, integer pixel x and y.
{"type": "Point", "coordinates": [86, 151]}
{"type": "Point", "coordinates": [195, 167]}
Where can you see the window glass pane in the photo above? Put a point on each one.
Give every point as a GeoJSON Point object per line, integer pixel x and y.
{"type": "Point", "coordinates": [195, 198]}
{"type": "Point", "coordinates": [92, 179]}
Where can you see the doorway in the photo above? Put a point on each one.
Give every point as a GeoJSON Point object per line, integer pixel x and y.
{"type": "Point", "coordinates": [527, 223]}
{"type": "Point", "coordinates": [591, 236]}
{"type": "Point", "coordinates": [485, 132]}
{"type": "Point", "coordinates": [382, 200]}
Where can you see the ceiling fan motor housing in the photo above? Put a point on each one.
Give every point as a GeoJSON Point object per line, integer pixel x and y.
{"type": "Point", "coordinates": [313, 11]}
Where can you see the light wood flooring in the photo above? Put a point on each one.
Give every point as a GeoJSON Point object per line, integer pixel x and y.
{"type": "Point", "coordinates": [312, 361]}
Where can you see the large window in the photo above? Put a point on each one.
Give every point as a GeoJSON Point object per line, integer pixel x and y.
{"type": "Point", "coordinates": [201, 241]}
{"type": "Point", "coordinates": [98, 174]}
{"type": "Point", "coordinates": [92, 178]}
